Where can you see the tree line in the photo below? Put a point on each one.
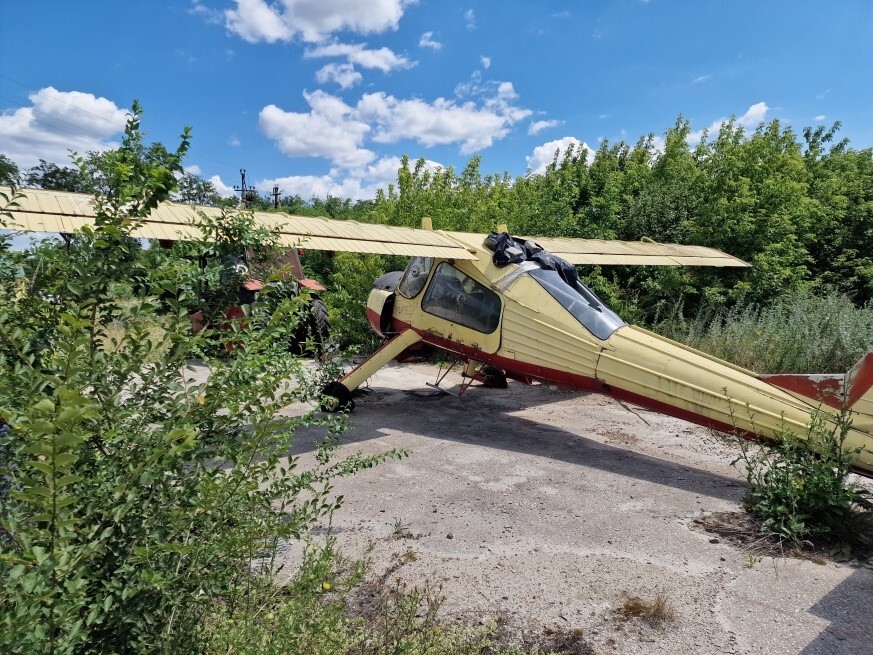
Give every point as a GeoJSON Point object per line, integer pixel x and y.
{"type": "Point", "coordinates": [798, 207]}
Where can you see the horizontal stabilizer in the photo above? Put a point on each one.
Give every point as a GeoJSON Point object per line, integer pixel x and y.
{"type": "Point", "coordinates": [821, 388]}
{"type": "Point", "coordinates": [854, 390]}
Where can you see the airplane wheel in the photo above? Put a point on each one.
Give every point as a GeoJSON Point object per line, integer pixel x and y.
{"type": "Point", "coordinates": [335, 397]}
{"type": "Point", "coordinates": [494, 377]}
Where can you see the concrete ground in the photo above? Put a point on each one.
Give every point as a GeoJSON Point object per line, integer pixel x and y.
{"type": "Point", "coordinates": [550, 510]}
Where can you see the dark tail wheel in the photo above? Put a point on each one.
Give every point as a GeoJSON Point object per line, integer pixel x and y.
{"type": "Point", "coordinates": [335, 397]}
{"type": "Point", "coordinates": [495, 378]}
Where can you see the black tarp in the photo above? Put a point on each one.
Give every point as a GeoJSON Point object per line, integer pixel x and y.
{"type": "Point", "coordinates": [509, 250]}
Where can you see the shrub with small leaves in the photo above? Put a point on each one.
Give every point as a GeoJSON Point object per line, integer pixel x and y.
{"type": "Point", "coordinates": [140, 492]}
{"type": "Point", "coordinates": [799, 488]}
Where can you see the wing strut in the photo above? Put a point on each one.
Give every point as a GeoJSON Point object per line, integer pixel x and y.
{"type": "Point", "coordinates": [341, 391]}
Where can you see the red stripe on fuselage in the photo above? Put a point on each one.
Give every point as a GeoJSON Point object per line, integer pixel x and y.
{"type": "Point", "coordinates": [563, 379]}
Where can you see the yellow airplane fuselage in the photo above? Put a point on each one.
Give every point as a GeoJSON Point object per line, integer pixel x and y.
{"type": "Point", "coordinates": [537, 338]}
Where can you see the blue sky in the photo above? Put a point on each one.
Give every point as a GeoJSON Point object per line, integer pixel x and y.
{"type": "Point", "coordinates": [324, 96]}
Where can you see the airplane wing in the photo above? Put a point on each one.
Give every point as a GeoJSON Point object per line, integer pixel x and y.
{"type": "Point", "coordinates": [639, 253]}
{"type": "Point", "coordinates": [617, 253]}
{"type": "Point", "coordinates": [58, 211]}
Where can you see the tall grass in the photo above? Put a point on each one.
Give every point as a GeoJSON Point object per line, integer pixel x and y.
{"type": "Point", "coordinates": [802, 332]}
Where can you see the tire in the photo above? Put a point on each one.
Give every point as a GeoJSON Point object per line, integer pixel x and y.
{"type": "Point", "coordinates": [313, 330]}
{"type": "Point", "coordinates": [495, 378]}
{"type": "Point", "coordinates": [336, 397]}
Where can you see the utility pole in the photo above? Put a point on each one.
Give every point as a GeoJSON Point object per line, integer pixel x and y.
{"type": "Point", "coordinates": [275, 195]}
{"type": "Point", "coordinates": [247, 195]}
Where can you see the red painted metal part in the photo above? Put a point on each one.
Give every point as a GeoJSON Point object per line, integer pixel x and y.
{"type": "Point", "coordinates": [309, 283]}
{"type": "Point", "coordinates": [827, 389]}
{"type": "Point", "coordinates": [859, 380]}
{"type": "Point", "coordinates": [528, 373]}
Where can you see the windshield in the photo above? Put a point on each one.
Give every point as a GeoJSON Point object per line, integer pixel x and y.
{"type": "Point", "coordinates": [458, 298]}
{"type": "Point", "coordinates": [596, 317]}
{"type": "Point", "coordinates": [415, 276]}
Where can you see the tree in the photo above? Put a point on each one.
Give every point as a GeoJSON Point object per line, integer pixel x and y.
{"type": "Point", "coordinates": [136, 501]}
{"type": "Point", "coordinates": [194, 190]}
{"type": "Point", "coordinates": [9, 173]}
{"type": "Point", "coordinates": [47, 175]}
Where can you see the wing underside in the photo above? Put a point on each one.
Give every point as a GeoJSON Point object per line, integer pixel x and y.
{"type": "Point", "coordinates": [56, 211]}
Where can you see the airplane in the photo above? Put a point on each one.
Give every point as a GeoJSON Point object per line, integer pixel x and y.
{"type": "Point", "coordinates": [514, 308]}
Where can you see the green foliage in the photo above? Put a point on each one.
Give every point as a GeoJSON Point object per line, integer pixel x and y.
{"type": "Point", "coordinates": [802, 332]}
{"type": "Point", "coordinates": [197, 191]}
{"type": "Point", "coordinates": [349, 285]}
{"type": "Point", "coordinates": [798, 488]}
{"type": "Point", "coordinates": [324, 609]}
{"type": "Point", "coordinates": [47, 175]}
{"type": "Point", "coordinates": [138, 492]}
{"type": "Point", "coordinates": [9, 173]}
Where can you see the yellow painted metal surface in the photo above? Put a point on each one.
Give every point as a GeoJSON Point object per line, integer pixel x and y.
{"type": "Point", "coordinates": [54, 211]}
{"type": "Point", "coordinates": [632, 253]}
{"type": "Point", "coordinates": [544, 334]}
{"type": "Point", "coordinates": [665, 372]}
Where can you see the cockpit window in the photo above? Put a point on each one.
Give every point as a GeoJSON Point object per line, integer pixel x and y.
{"type": "Point", "coordinates": [579, 300]}
{"type": "Point", "coordinates": [415, 276]}
{"type": "Point", "coordinates": [458, 298]}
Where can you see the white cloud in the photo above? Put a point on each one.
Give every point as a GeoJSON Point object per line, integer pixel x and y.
{"type": "Point", "coordinates": [359, 185]}
{"type": "Point", "coordinates": [209, 15]}
{"type": "Point", "coordinates": [224, 190]}
{"type": "Point", "coordinates": [338, 131]}
{"type": "Point", "coordinates": [544, 155]}
{"type": "Point", "coordinates": [751, 119]}
{"type": "Point", "coordinates": [538, 126]}
{"type": "Point", "coordinates": [57, 122]}
{"type": "Point", "coordinates": [442, 121]}
{"type": "Point", "coordinates": [193, 169]}
{"type": "Point", "coordinates": [427, 41]}
{"type": "Point", "coordinates": [312, 20]}
{"type": "Point", "coordinates": [470, 19]}
{"type": "Point", "coordinates": [234, 141]}
{"type": "Point", "coordinates": [329, 130]}
{"type": "Point", "coordinates": [255, 20]}
{"type": "Point", "coordinates": [344, 75]}
{"type": "Point", "coordinates": [822, 95]}
{"type": "Point", "coordinates": [486, 62]}
{"type": "Point", "coordinates": [820, 118]}
{"type": "Point", "coordinates": [701, 79]}
{"type": "Point", "coordinates": [383, 59]}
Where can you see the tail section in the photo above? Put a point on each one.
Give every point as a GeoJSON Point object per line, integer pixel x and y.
{"type": "Point", "coordinates": [853, 391]}
{"type": "Point", "coordinates": [859, 386]}
{"type": "Point", "coordinates": [820, 388]}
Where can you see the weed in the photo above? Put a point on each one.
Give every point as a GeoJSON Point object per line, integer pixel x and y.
{"type": "Point", "coordinates": [801, 332]}
{"type": "Point", "coordinates": [400, 530]}
{"type": "Point", "coordinates": [656, 613]}
{"type": "Point", "coordinates": [798, 488]}
{"type": "Point", "coordinates": [409, 556]}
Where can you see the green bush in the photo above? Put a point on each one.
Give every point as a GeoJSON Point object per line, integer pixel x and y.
{"type": "Point", "coordinates": [350, 284]}
{"type": "Point", "coordinates": [799, 488]}
{"type": "Point", "coordinates": [802, 332]}
{"type": "Point", "coordinates": [137, 498]}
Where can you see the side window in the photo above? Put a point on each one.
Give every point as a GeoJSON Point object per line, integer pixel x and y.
{"type": "Point", "coordinates": [415, 276]}
{"type": "Point", "coordinates": [458, 298]}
